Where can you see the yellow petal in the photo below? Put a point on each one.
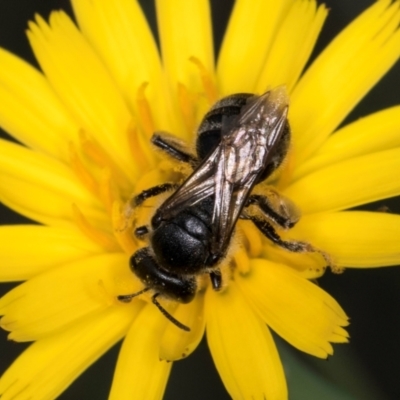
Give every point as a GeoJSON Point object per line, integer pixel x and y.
{"type": "Point", "coordinates": [50, 365]}
{"type": "Point", "coordinates": [43, 188]}
{"type": "Point", "coordinates": [247, 42]}
{"type": "Point", "coordinates": [139, 373]}
{"type": "Point", "coordinates": [344, 72]}
{"type": "Point", "coordinates": [242, 348]}
{"type": "Point", "coordinates": [119, 32]}
{"type": "Point", "coordinates": [299, 311]}
{"type": "Point", "coordinates": [84, 85]}
{"type": "Point", "coordinates": [58, 298]}
{"type": "Point", "coordinates": [176, 343]}
{"type": "Point", "coordinates": [30, 111]}
{"type": "Point", "coordinates": [376, 132]}
{"type": "Point", "coordinates": [28, 250]}
{"type": "Point", "coordinates": [349, 183]}
{"type": "Point", "coordinates": [307, 265]}
{"type": "Point", "coordinates": [354, 238]}
{"type": "Point", "coordinates": [185, 33]}
{"type": "Point", "coordinates": [292, 46]}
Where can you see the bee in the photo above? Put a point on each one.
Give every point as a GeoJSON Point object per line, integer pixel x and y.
{"type": "Point", "coordinates": [241, 141]}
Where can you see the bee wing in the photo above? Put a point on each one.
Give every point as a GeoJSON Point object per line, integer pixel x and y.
{"type": "Point", "coordinates": [199, 185]}
{"type": "Point", "coordinates": [243, 154]}
{"type": "Point", "coordinates": [231, 170]}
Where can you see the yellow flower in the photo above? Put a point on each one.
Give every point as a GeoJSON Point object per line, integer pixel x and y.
{"type": "Point", "coordinates": [87, 121]}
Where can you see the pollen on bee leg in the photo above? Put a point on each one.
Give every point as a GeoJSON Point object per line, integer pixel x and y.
{"type": "Point", "coordinates": [336, 269]}
{"type": "Point", "coordinates": [144, 110]}
{"type": "Point", "coordinates": [328, 259]}
{"type": "Point", "coordinates": [207, 80]}
{"type": "Point", "coordinates": [102, 238]}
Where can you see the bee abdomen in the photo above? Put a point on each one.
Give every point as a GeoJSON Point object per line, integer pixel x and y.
{"type": "Point", "coordinates": [209, 132]}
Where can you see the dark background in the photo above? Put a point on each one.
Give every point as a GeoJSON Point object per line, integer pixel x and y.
{"type": "Point", "coordinates": [365, 369]}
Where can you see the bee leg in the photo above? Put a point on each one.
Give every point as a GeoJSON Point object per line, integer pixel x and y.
{"type": "Point", "coordinates": [174, 147]}
{"type": "Point", "coordinates": [139, 199]}
{"type": "Point", "coordinates": [277, 208]}
{"type": "Point", "coordinates": [141, 232]}
{"type": "Point", "coordinates": [292, 245]}
{"type": "Point", "coordinates": [216, 280]}
{"type": "Point", "coordinates": [152, 192]}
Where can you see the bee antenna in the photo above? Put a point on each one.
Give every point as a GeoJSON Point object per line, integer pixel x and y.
{"type": "Point", "coordinates": [126, 298]}
{"type": "Point", "coordinates": [168, 315]}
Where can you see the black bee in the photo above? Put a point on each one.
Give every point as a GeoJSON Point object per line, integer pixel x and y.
{"type": "Point", "coordinates": [241, 141]}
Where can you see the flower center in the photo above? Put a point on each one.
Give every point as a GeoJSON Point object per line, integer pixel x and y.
{"type": "Point", "coordinates": [97, 171]}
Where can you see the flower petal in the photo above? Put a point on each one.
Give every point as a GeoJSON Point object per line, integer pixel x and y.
{"type": "Point", "coordinates": [84, 85]}
{"type": "Point", "coordinates": [139, 373]}
{"type": "Point", "coordinates": [119, 32]}
{"type": "Point", "coordinates": [176, 343]}
{"type": "Point", "coordinates": [60, 297]}
{"type": "Point", "coordinates": [344, 72]}
{"type": "Point", "coordinates": [247, 42]}
{"type": "Point", "coordinates": [185, 33]}
{"type": "Point", "coordinates": [296, 309]}
{"type": "Point", "coordinates": [43, 188]}
{"type": "Point", "coordinates": [242, 348]}
{"type": "Point", "coordinates": [354, 238]}
{"type": "Point", "coordinates": [30, 110]}
{"type": "Point", "coordinates": [376, 132]}
{"type": "Point", "coordinates": [292, 45]}
{"type": "Point", "coordinates": [307, 265]}
{"type": "Point", "coordinates": [349, 183]}
{"type": "Point", "coordinates": [59, 359]}
{"type": "Point", "coordinates": [28, 250]}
